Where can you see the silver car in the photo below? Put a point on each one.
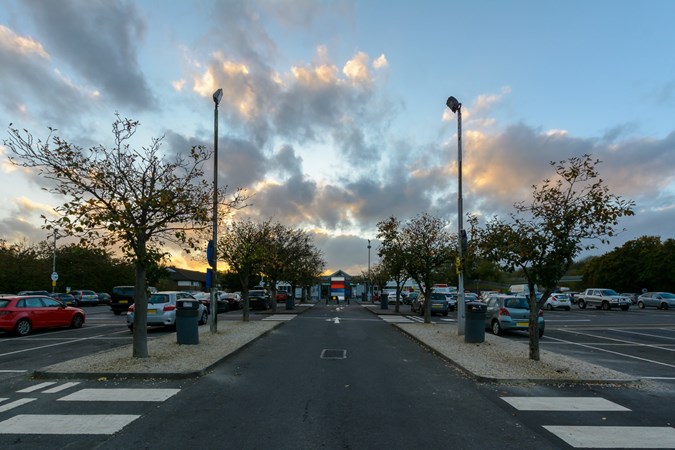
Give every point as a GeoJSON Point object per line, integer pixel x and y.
{"type": "Point", "coordinates": [510, 313]}
{"type": "Point", "coordinates": [162, 309]}
{"type": "Point", "coordinates": [660, 300]}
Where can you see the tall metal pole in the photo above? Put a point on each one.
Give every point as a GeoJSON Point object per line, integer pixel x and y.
{"type": "Point", "coordinates": [460, 228]}
{"type": "Point", "coordinates": [54, 265]}
{"type": "Point", "coordinates": [214, 280]}
{"type": "Point", "coordinates": [456, 107]}
{"type": "Point", "coordinates": [368, 296]}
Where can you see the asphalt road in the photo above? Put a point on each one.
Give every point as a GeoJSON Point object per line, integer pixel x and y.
{"type": "Point", "coordinates": [344, 378]}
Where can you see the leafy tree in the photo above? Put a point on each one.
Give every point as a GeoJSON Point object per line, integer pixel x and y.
{"type": "Point", "coordinates": [568, 214]}
{"type": "Point", "coordinates": [428, 246]}
{"type": "Point", "coordinates": [305, 271]}
{"type": "Point", "coordinates": [392, 254]}
{"type": "Point", "coordinates": [242, 246]}
{"type": "Point", "coordinates": [118, 196]}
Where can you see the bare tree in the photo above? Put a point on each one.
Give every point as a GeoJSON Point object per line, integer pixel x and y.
{"type": "Point", "coordinates": [568, 214]}
{"type": "Point", "coordinates": [119, 196]}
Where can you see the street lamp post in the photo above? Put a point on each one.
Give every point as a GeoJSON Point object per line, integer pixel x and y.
{"type": "Point", "coordinates": [456, 107]}
{"type": "Point", "coordinates": [217, 96]}
{"type": "Point", "coordinates": [369, 297]}
{"type": "Point", "coordinates": [54, 275]}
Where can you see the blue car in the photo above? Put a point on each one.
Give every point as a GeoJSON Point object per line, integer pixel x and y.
{"type": "Point", "coordinates": [510, 313]}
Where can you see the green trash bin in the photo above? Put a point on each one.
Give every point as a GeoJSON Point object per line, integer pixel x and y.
{"type": "Point", "coordinates": [474, 331]}
{"type": "Point", "coordinates": [187, 322]}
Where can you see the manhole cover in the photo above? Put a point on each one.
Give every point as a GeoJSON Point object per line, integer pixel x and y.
{"type": "Point", "coordinates": [333, 354]}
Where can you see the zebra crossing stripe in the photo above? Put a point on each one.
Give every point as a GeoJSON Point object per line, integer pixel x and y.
{"type": "Point", "coordinates": [563, 404]}
{"type": "Point", "coordinates": [615, 437]}
{"type": "Point", "coordinates": [280, 317]}
{"type": "Point", "coordinates": [15, 404]}
{"type": "Point", "coordinates": [66, 423]}
{"type": "Point", "coordinates": [396, 319]}
{"type": "Point", "coordinates": [36, 387]}
{"type": "Point", "coordinates": [63, 387]}
{"type": "Point", "coordinates": [120, 395]}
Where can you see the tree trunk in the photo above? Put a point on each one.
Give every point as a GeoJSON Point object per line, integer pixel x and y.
{"type": "Point", "coordinates": [140, 339]}
{"type": "Point", "coordinates": [273, 288]}
{"type": "Point", "coordinates": [533, 327]}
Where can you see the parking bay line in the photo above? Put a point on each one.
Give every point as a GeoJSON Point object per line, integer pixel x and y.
{"type": "Point", "coordinates": [563, 404]}
{"type": "Point", "coordinates": [614, 437]}
{"type": "Point", "coordinates": [610, 351]}
{"type": "Point", "coordinates": [658, 347]}
{"type": "Point", "coordinates": [47, 346]}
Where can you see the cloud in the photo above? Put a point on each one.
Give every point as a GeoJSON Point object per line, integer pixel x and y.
{"type": "Point", "coordinates": [99, 41]}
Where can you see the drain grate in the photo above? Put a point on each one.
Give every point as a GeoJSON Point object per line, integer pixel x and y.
{"type": "Point", "coordinates": [333, 354]}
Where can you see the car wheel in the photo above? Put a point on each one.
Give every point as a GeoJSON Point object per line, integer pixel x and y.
{"type": "Point", "coordinates": [625, 307]}
{"type": "Point", "coordinates": [204, 318]}
{"type": "Point", "coordinates": [664, 305]}
{"type": "Point", "coordinates": [541, 332]}
{"type": "Point", "coordinates": [605, 306]}
{"type": "Point", "coordinates": [582, 304]}
{"type": "Point", "coordinates": [77, 321]}
{"type": "Point", "coordinates": [549, 307]}
{"type": "Point", "coordinates": [131, 328]}
{"type": "Point", "coordinates": [496, 328]}
{"type": "Point", "coordinates": [568, 308]}
{"type": "Point", "coordinates": [641, 305]}
{"type": "Point", "coordinates": [23, 327]}
{"type": "Point", "coordinates": [445, 313]}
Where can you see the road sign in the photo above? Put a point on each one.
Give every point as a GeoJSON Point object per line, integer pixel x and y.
{"type": "Point", "coordinates": [55, 276]}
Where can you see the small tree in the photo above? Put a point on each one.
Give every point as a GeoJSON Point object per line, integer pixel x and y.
{"type": "Point", "coordinates": [428, 247]}
{"type": "Point", "coordinates": [118, 196]}
{"type": "Point", "coordinates": [392, 254]}
{"type": "Point", "coordinates": [567, 215]}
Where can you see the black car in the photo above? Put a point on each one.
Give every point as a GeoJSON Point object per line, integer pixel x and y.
{"type": "Point", "coordinates": [121, 298]}
{"type": "Point", "coordinates": [64, 298]}
{"type": "Point", "coordinates": [259, 299]}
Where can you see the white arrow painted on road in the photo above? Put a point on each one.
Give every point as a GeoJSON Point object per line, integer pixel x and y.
{"type": "Point", "coordinates": [334, 320]}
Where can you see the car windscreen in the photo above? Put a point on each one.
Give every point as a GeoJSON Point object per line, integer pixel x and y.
{"type": "Point", "coordinates": [158, 298]}
{"type": "Point", "coordinates": [516, 303]}
{"type": "Point", "coordinates": [608, 292]}
{"type": "Point", "coordinates": [256, 293]}
{"type": "Point", "coordinates": [667, 295]}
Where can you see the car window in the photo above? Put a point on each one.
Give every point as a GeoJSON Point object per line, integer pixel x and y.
{"type": "Point", "coordinates": [50, 302]}
{"type": "Point", "coordinates": [667, 295]}
{"type": "Point", "coordinates": [158, 298]}
{"type": "Point", "coordinates": [4, 303]}
{"type": "Point", "coordinates": [517, 303]}
{"type": "Point", "coordinates": [33, 303]}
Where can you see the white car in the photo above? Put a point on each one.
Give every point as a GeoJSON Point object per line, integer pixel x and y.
{"type": "Point", "coordinates": [162, 309]}
{"type": "Point", "coordinates": [660, 300]}
{"type": "Point", "coordinates": [558, 301]}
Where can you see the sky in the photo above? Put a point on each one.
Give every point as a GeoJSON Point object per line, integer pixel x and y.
{"type": "Point", "coordinates": [333, 115]}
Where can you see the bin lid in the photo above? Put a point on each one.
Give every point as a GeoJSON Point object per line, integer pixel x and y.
{"type": "Point", "coordinates": [476, 307]}
{"type": "Point", "coordinates": [187, 304]}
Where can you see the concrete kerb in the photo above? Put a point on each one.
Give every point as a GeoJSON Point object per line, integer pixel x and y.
{"type": "Point", "coordinates": [53, 372]}
{"type": "Point", "coordinates": [459, 350]}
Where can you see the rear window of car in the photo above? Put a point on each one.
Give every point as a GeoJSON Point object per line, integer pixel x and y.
{"type": "Point", "coordinates": [124, 290]}
{"type": "Point", "coordinates": [256, 293]}
{"type": "Point", "coordinates": [158, 298]}
{"type": "Point", "coordinates": [517, 303]}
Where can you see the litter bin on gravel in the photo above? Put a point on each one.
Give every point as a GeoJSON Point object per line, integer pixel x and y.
{"type": "Point", "coordinates": [187, 322]}
{"type": "Point", "coordinates": [290, 302]}
{"type": "Point", "coordinates": [474, 330]}
{"type": "Point", "coordinates": [384, 301]}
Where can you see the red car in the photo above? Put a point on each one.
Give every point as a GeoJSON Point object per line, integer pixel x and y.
{"type": "Point", "coordinates": [23, 314]}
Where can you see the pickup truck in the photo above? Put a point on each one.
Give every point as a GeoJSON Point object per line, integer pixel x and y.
{"type": "Point", "coordinates": [603, 299]}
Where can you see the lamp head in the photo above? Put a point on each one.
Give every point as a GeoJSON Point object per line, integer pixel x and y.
{"type": "Point", "coordinates": [453, 104]}
{"type": "Point", "coordinates": [217, 96]}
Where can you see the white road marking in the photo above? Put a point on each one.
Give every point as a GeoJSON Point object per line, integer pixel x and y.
{"type": "Point", "coordinates": [36, 387]}
{"type": "Point", "coordinates": [615, 437]}
{"type": "Point", "coordinates": [66, 423]}
{"type": "Point", "coordinates": [120, 395]}
{"type": "Point", "coordinates": [280, 317]}
{"type": "Point", "coordinates": [610, 351]}
{"type": "Point", "coordinates": [563, 404]}
{"type": "Point", "coordinates": [643, 334]}
{"type": "Point", "coordinates": [15, 404]}
{"type": "Point", "coordinates": [13, 371]}
{"type": "Point", "coordinates": [63, 387]}
{"type": "Point", "coordinates": [50, 345]}
{"type": "Point", "coordinates": [396, 319]}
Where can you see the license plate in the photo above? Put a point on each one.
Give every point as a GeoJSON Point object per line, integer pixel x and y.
{"type": "Point", "coordinates": [436, 306]}
{"type": "Point", "coordinates": [152, 311]}
{"type": "Point", "coordinates": [123, 302]}
{"type": "Point", "coordinates": [522, 324]}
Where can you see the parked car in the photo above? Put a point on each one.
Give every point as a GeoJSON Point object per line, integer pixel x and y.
{"type": "Point", "coordinates": [123, 296]}
{"type": "Point", "coordinates": [510, 313]}
{"type": "Point", "coordinates": [632, 297]}
{"type": "Point", "coordinates": [23, 314]}
{"type": "Point", "coordinates": [64, 298]}
{"type": "Point", "coordinates": [558, 301]}
{"type": "Point", "coordinates": [602, 299]}
{"type": "Point", "coordinates": [233, 301]}
{"type": "Point", "coordinates": [452, 300]}
{"type": "Point", "coordinates": [85, 297]}
{"type": "Point", "coordinates": [439, 304]}
{"type": "Point", "coordinates": [660, 300]}
{"type": "Point", "coordinates": [259, 299]}
{"type": "Point", "coordinates": [162, 309]}
{"type": "Point", "coordinates": [103, 298]}
{"type": "Point", "coordinates": [45, 293]}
